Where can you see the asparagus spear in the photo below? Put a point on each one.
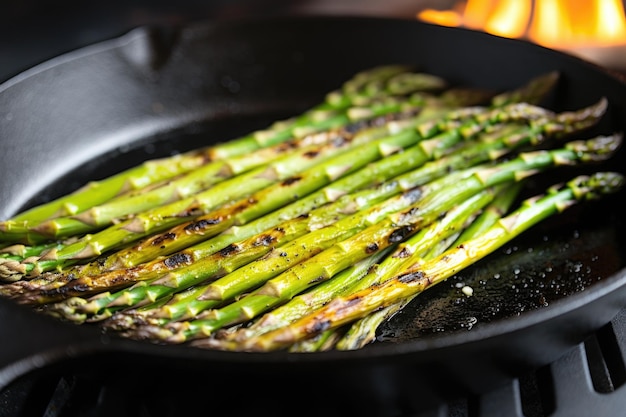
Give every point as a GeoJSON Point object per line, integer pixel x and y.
{"type": "Point", "coordinates": [176, 213]}
{"type": "Point", "coordinates": [356, 91]}
{"type": "Point", "coordinates": [86, 285]}
{"type": "Point", "coordinates": [493, 147]}
{"type": "Point", "coordinates": [96, 192]}
{"type": "Point", "coordinates": [184, 187]}
{"type": "Point", "coordinates": [373, 173]}
{"type": "Point", "coordinates": [11, 258]}
{"type": "Point", "coordinates": [418, 155]}
{"type": "Point", "coordinates": [426, 238]}
{"type": "Point", "coordinates": [347, 337]}
{"type": "Point", "coordinates": [238, 280]}
{"type": "Point", "coordinates": [20, 252]}
{"type": "Point", "coordinates": [532, 92]}
{"type": "Point", "coordinates": [199, 179]}
{"type": "Point", "coordinates": [226, 261]}
{"type": "Point", "coordinates": [160, 169]}
{"type": "Point", "coordinates": [563, 124]}
{"type": "Point", "coordinates": [22, 269]}
{"type": "Point", "coordinates": [101, 306]}
{"type": "Point", "coordinates": [186, 305]}
{"type": "Point", "coordinates": [169, 215]}
{"type": "Point", "coordinates": [52, 287]}
{"type": "Point", "coordinates": [371, 81]}
{"type": "Point", "coordinates": [420, 276]}
{"type": "Point", "coordinates": [385, 229]}
{"type": "Point", "coordinates": [363, 331]}
{"type": "Point", "coordinates": [182, 211]}
{"type": "Point", "coordinates": [303, 184]}
{"type": "Point", "coordinates": [528, 92]}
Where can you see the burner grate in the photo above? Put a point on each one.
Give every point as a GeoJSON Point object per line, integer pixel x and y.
{"type": "Point", "coordinates": [589, 378]}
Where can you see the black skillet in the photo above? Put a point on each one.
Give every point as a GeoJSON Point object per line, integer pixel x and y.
{"type": "Point", "coordinates": [156, 91]}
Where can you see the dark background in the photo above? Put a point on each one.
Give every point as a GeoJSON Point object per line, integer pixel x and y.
{"type": "Point", "coordinates": [32, 31]}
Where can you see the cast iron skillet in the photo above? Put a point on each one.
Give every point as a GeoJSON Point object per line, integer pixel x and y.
{"type": "Point", "coordinates": [156, 91]}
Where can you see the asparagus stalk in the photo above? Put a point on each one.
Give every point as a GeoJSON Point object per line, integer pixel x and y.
{"type": "Point", "coordinates": [11, 258]}
{"type": "Point", "coordinates": [264, 201]}
{"type": "Point", "coordinates": [239, 280]}
{"type": "Point", "coordinates": [546, 81]}
{"type": "Point", "coordinates": [184, 187]}
{"type": "Point", "coordinates": [374, 173]}
{"type": "Point", "coordinates": [20, 251]}
{"type": "Point", "coordinates": [382, 230]}
{"type": "Point", "coordinates": [225, 262]}
{"type": "Point", "coordinates": [101, 306]}
{"type": "Point", "coordinates": [169, 215]}
{"type": "Point", "coordinates": [176, 213]}
{"type": "Point", "coordinates": [97, 192]}
{"type": "Point", "coordinates": [305, 183]}
{"type": "Point", "coordinates": [363, 331]}
{"type": "Point", "coordinates": [186, 305]}
{"type": "Point", "coordinates": [419, 154]}
{"type": "Point", "coordinates": [285, 188]}
{"type": "Point", "coordinates": [153, 171]}
{"type": "Point", "coordinates": [339, 199]}
{"type": "Point", "coordinates": [308, 301]}
{"type": "Point", "coordinates": [200, 179]}
{"type": "Point", "coordinates": [422, 275]}
{"type": "Point", "coordinates": [359, 90]}
{"type": "Point", "coordinates": [371, 81]}
{"type": "Point", "coordinates": [534, 91]}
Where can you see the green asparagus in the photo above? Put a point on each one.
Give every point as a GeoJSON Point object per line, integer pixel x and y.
{"type": "Point", "coordinates": [308, 235]}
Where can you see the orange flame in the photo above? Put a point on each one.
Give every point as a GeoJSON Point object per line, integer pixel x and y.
{"type": "Point", "coordinates": [561, 24]}
{"type": "Point", "coordinates": [509, 18]}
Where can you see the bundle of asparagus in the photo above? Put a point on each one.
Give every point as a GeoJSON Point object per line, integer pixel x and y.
{"type": "Point", "coordinates": [309, 234]}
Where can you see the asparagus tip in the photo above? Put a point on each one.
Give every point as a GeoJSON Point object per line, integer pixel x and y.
{"type": "Point", "coordinates": [11, 270]}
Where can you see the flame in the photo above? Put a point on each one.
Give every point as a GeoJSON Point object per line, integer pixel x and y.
{"type": "Point", "coordinates": [552, 23]}
{"type": "Point", "coordinates": [509, 18]}
{"type": "Point", "coordinates": [561, 23]}
{"type": "Point", "coordinates": [441, 17]}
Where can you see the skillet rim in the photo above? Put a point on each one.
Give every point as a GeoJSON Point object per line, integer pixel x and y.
{"type": "Point", "coordinates": [491, 330]}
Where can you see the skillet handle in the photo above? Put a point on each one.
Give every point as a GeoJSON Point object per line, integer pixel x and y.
{"type": "Point", "coordinates": [31, 341]}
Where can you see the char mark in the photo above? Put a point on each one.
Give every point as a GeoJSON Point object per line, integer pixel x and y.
{"type": "Point", "coordinates": [162, 238]}
{"type": "Point", "coordinates": [339, 141]}
{"type": "Point", "coordinates": [411, 277]}
{"type": "Point", "coordinates": [177, 260]}
{"type": "Point", "coordinates": [229, 250]}
{"type": "Point", "coordinates": [371, 247]}
{"type": "Point", "coordinates": [400, 234]}
{"type": "Point", "coordinates": [319, 327]}
{"type": "Point", "coordinates": [291, 180]}
{"type": "Point", "coordinates": [265, 240]}
{"type": "Point", "coordinates": [201, 225]}
{"type": "Point", "coordinates": [404, 253]}
{"type": "Point", "coordinates": [318, 279]}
